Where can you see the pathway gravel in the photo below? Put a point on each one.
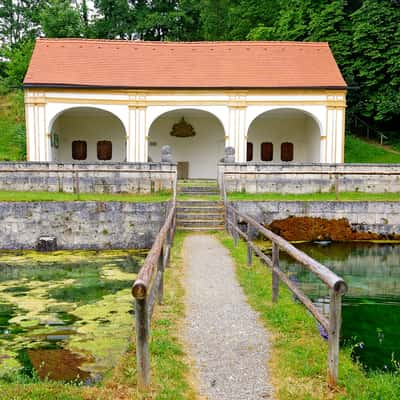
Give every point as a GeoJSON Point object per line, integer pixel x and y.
{"type": "Point", "coordinates": [226, 340]}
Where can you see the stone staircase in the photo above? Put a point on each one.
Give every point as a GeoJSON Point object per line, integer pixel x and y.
{"type": "Point", "coordinates": [198, 187]}
{"type": "Point", "coordinates": [199, 214]}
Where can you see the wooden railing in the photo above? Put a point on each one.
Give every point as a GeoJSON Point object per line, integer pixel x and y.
{"type": "Point", "coordinates": [148, 289]}
{"type": "Point", "coordinates": [336, 285]}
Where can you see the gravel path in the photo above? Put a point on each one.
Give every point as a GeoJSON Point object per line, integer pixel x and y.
{"type": "Point", "coordinates": [225, 338]}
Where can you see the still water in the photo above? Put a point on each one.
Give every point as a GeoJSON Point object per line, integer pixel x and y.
{"type": "Point", "coordinates": [371, 308]}
{"type": "Point", "coordinates": [65, 315]}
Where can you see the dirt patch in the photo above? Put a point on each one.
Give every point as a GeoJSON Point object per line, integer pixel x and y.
{"type": "Point", "coordinates": [310, 229]}
{"type": "Point", "coordinates": [58, 364]}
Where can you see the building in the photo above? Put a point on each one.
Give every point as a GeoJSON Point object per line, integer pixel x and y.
{"type": "Point", "coordinates": [121, 101]}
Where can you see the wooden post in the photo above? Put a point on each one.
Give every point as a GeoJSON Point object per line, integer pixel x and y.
{"type": "Point", "coordinates": [275, 277]}
{"type": "Point", "coordinates": [142, 344]}
{"type": "Point", "coordinates": [235, 234]}
{"type": "Point", "coordinates": [160, 269]}
{"type": "Point", "coordinates": [249, 250]}
{"type": "Point", "coordinates": [337, 186]}
{"type": "Point", "coordinates": [335, 320]}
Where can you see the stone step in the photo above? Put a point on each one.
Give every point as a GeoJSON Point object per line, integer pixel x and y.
{"type": "Point", "coordinates": [200, 223]}
{"type": "Point", "coordinates": [199, 203]}
{"type": "Point", "coordinates": [200, 210]}
{"type": "Point", "coordinates": [200, 229]}
{"type": "Point", "coordinates": [197, 189]}
{"type": "Point", "coordinates": [200, 216]}
{"type": "Point", "coordinates": [199, 193]}
{"type": "Point", "coordinates": [197, 182]}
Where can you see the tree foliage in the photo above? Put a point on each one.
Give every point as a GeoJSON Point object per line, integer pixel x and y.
{"type": "Point", "coordinates": [364, 35]}
{"type": "Point", "coordinates": [59, 19]}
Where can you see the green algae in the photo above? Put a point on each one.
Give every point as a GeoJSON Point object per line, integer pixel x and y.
{"type": "Point", "coordinates": [72, 306]}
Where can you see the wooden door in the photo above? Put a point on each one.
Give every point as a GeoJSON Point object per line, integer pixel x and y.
{"type": "Point", "coordinates": [104, 150]}
{"type": "Point", "coordinates": [183, 169]}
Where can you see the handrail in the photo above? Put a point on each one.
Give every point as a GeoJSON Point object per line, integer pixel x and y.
{"type": "Point", "coordinates": [336, 284]}
{"type": "Point", "coordinates": [149, 287]}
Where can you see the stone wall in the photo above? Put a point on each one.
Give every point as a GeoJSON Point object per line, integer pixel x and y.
{"type": "Point", "coordinates": [377, 217]}
{"type": "Point", "coordinates": [87, 177]}
{"type": "Point", "coordinates": [81, 225]}
{"type": "Point", "coordinates": [309, 178]}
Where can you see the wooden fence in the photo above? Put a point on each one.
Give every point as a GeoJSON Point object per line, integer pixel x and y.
{"type": "Point", "coordinates": [336, 285]}
{"type": "Point", "coordinates": [148, 289]}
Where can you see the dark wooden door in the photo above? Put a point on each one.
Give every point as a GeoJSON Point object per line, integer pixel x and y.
{"type": "Point", "coordinates": [104, 150]}
{"type": "Point", "coordinates": [79, 150]}
{"type": "Point", "coordinates": [183, 169]}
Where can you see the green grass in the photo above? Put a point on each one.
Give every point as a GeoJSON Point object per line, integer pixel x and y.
{"type": "Point", "coordinates": [360, 151]}
{"type": "Point", "coordinates": [345, 196]}
{"type": "Point", "coordinates": [57, 196]}
{"type": "Point", "coordinates": [12, 127]}
{"type": "Point", "coordinates": [299, 355]}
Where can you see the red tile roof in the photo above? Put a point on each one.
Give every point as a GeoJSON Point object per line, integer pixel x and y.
{"type": "Point", "coordinates": [133, 64]}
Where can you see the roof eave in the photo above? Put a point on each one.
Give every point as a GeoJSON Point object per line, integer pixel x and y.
{"type": "Point", "coordinates": [77, 86]}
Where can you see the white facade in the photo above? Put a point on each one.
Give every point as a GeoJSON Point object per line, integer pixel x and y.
{"type": "Point", "coordinates": [140, 122]}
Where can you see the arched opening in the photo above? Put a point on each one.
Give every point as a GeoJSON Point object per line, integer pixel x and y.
{"type": "Point", "coordinates": [197, 140]}
{"type": "Point", "coordinates": [87, 134]}
{"type": "Point", "coordinates": [284, 135]}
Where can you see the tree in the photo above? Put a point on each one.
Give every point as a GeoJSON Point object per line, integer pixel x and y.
{"type": "Point", "coordinates": [18, 61]}
{"type": "Point", "coordinates": [215, 19]}
{"type": "Point", "coordinates": [376, 55]}
{"type": "Point", "coordinates": [115, 19]}
{"type": "Point", "coordinates": [60, 19]}
{"type": "Point", "coordinates": [250, 15]}
{"type": "Point", "coordinates": [19, 20]}
{"type": "Point", "coordinates": [159, 20]}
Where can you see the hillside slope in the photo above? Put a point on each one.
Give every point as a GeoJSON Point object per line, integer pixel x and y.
{"type": "Point", "coordinates": [360, 151]}
{"type": "Point", "coordinates": [12, 127]}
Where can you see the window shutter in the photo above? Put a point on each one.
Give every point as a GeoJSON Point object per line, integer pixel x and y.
{"type": "Point", "coordinates": [287, 151]}
{"type": "Point", "coordinates": [79, 150]}
{"type": "Point", "coordinates": [249, 151]}
{"type": "Point", "coordinates": [267, 151]}
{"type": "Point", "coordinates": [104, 150]}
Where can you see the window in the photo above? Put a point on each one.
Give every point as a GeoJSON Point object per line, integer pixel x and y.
{"type": "Point", "coordinates": [104, 150]}
{"type": "Point", "coordinates": [287, 151]}
{"type": "Point", "coordinates": [249, 151]}
{"type": "Point", "coordinates": [79, 150]}
{"type": "Point", "coordinates": [267, 151]}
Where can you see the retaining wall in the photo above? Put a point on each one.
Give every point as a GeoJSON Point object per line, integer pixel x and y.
{"type": "Point", "coordinates": [255, 177]}
{"type": "Point", "coordinates": [87, 177]}
{"type": "Point", "coordinates": [81, 225]}
{"type": "Point", "coordinates": [377, 217]}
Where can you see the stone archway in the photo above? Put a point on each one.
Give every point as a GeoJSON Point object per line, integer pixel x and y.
{"type": "Point", "coordinates": [284, 134]}
{"type": "Point", "coordinates": [87, 134]}
{"type": "Point", "coordinates": [197, 141]}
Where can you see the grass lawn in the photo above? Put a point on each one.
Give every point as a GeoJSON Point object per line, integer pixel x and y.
{"type": "Point", "coordinates": [345, 196]}
{"type": "Point", "coordinates": [12, 127]}
{"type": "Point", "coordinates": [360, 151]}
{"type": "Point", "coordinates": [298, 354]}
{"type": "Point", "coordinates": [57, 196]}
{"type": "Point", "coordinates": [169, 365]}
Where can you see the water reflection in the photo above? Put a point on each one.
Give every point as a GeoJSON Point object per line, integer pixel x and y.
{"type": "Point", "coordinates": [371, 308]}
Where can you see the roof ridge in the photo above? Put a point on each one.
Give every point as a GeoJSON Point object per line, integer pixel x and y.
{"type": "Point", "coordinates": [198, 43]}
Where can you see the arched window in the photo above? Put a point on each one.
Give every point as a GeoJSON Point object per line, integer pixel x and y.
{"type": "Point", "coordinates": [267, 151]}
{"type": "Point", "coordinates": [104, 150]}
{"type": "Point", "coordinates": [79, 150]}
{"type": "Point", "coordinates": [287, 151]}
{"type": "Point", "coordinates": [249, 151]}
